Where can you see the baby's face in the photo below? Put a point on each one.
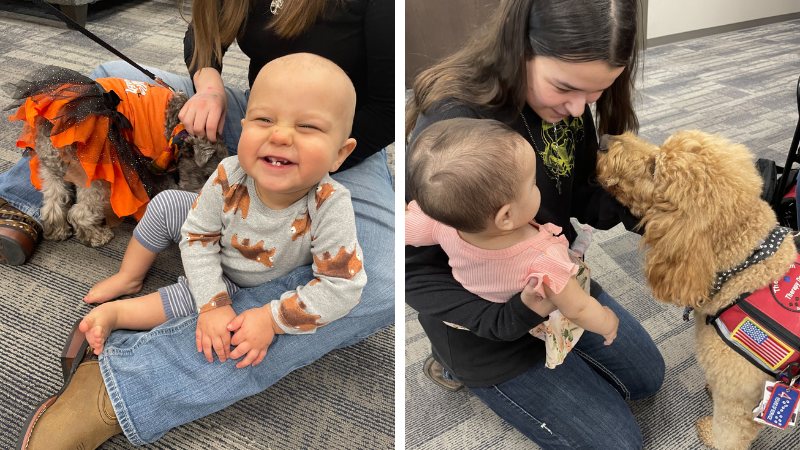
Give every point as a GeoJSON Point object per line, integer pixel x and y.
{"type": "Point", "coordinates": [295, 131]}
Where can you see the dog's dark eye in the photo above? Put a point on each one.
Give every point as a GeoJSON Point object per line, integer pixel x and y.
{"type": "Point", "coordinates": [651, 167]}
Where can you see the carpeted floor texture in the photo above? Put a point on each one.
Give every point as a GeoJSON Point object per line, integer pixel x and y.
{"type": "Point", "coordinates": [345, 400]}
{"type": "Point", "coordinates": [741, 85]}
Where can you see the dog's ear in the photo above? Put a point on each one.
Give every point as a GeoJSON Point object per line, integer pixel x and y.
{"type": "Point", "coordinates": [203, 153]}
{"type": "Point", "coordinates": [678, 236]}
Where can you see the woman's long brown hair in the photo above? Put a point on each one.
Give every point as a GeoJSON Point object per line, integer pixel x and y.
{"type": "Point", "coordinates": [217, 23]}
{"type": "Point", "coordinates": [490, 71]}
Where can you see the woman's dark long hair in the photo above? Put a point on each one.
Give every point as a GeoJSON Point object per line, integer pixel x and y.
{"type": "Point", "coordinates": [490, 69]}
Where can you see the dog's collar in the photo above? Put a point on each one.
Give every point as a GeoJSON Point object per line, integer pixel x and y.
{"type": "Point", "coordinates": [766, 248]}
{"type": "Point", "coordinates": [166, 161]}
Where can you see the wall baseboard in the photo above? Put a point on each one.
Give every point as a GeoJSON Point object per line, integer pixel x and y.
{"type": "Point", "coordinates": [672, 38]}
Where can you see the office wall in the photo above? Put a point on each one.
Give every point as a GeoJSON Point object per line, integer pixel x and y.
{"type": "Point", "coordinates": [670, 17]}
{"type": "Point", "coordinates": [436, 28]}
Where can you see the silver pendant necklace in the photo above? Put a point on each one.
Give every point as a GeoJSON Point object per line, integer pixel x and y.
{"type": "Point", "coordinates": [275, 6]}
{"type": "Point", "coordinates": [553, 173]}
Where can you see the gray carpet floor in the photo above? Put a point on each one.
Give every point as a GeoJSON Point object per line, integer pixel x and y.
{"type": "Point", "coordinates": [741, 85]}
{"type": "Point", "coordinates": [345, 400]}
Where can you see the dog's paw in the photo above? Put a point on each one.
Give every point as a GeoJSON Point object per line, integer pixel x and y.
{"type": "Point", "coordinates": [705, 431]}
{"type": "Point", "coordinates": [95, 237]}
{"type": "Point", "coordinates": [57, 233]}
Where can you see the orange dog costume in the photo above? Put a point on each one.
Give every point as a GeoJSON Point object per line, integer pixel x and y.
{"type": "Point", "coordinates": [107, 129]}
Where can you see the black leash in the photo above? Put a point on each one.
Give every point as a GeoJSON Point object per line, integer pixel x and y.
{"type": "Point", "coordinates": [76, 26]}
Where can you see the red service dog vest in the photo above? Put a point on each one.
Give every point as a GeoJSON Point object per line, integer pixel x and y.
{"type": "Point", "coordinates": [764, 326]}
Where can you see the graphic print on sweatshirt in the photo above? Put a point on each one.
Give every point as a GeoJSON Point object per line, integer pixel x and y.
{"type": "Point", "coordinates": [559, 145]}
{"type": "Point", "coordinates": [255, 252]}
{"type": "Point", "coordinates": [301, 226]}
{"type": "Point", "coordinates": [205, 238]}
{"type": "Point", "coordinates": [236, 197]}
{"type": "Point", "coordinates": [292, 313]}
{"type": "Point", "coordinates": [324, 191]}
{"type": "Point", "coordinates": [344, 265]}
{"type": "Point", "coordinates": [194, 204]}
{"type": "Point", "coordinates": [219, 300]}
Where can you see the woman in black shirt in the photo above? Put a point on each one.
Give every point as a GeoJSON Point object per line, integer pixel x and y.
{"type": "Point", "coordinates": [539, 61]}
{"type": "Point", "coordinates": [128, 382]}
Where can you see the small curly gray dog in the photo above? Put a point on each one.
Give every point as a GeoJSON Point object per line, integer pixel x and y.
{"type": "Point", "coordinates": [109, 163]}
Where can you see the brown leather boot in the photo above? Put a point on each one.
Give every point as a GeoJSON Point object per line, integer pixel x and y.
{"type": "Point", "coordinates": [19, 235]}
{"type": "Point", "coordinates": [435, 372]}
{"type": "Point", "coordinates": [80, 417]}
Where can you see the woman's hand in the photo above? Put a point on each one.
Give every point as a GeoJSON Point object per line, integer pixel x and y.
{"type": "Point", "coordinates": [204, 113]}
{"type": "Point", "coordinates": [254, 331]}
{"type": "Point", "coordinates": [536, 302]}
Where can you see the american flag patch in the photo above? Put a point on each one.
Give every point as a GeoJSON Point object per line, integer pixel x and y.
{"type": "Point", "coordinates": [761, 343]}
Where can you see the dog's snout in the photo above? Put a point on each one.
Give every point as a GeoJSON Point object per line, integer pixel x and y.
{"type": "Point", "coordinates": [604, 143]}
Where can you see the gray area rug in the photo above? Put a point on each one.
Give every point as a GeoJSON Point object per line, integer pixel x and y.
{"type": "Point", "coordinates": [741, 85]}
{"type": "Point", "coordinates": [345, 400]}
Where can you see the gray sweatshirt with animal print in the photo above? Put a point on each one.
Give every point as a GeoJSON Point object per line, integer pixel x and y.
{"type": "Point", "coordinates": [230, 233]}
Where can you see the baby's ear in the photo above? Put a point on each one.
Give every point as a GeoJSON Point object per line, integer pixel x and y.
{"type": "Point", "coordinates": [503, 219]}
{"type": "Point", "coordinates": [342, 154]}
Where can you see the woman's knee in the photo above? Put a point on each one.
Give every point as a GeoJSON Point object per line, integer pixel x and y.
{"type": "Point", "coordinates": [614, 428]}
{"type": "Point", "coordinates": [627, 436]}
{"type": "Point", "coordinates": [109, 69]}
{"type": "Point", "coordinates": [652, 380]}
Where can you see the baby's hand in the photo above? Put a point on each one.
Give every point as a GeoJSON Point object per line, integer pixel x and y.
{"type": "Point", "coordinates": [212, 332]}
{"type": "Point", "coordinates": [254, 331]}
{"type": "Point", "coordinates": [611, 335]}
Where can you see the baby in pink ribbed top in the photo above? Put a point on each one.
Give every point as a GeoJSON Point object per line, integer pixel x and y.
{"type": "Point", "coordinates": [474, 184]}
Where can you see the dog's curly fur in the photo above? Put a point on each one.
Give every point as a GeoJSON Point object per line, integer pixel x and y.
{"type": "Point", "coordinates": [699, 200]}
{"type": "Point", "coordinates": [84, 210]}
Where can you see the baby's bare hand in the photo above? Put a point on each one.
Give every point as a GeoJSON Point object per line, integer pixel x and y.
{"type": "Point", "coordinates": [253, 334]}
{"type": "Point", "coordinates": [610, 336]}
{"type": "Point", "coordinates": [212, 333]}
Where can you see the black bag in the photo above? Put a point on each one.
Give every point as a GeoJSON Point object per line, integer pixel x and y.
{"type": "Point", "coordinates": [783, 203]}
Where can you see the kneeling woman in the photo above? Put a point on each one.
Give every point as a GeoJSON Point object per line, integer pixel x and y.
{"type": "Point", "coordinates": [536, 67]}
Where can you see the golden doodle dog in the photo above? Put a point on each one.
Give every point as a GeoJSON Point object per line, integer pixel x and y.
{"type": "Point", "coordinates": [698, 197]}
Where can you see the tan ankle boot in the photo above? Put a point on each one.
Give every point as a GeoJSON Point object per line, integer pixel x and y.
{"type": "Point", "coordinates": [81, 417]}
{"type": "Point", "coordinates": [435, 372]}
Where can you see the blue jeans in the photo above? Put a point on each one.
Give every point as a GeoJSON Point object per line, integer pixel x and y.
{"type": "Point", "coordinates": [581, 403]}
{"type": "Point", "coordinates": [157, 380]}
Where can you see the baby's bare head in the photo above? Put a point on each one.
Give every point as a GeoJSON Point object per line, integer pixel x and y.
{"type": "Point", "coordinates": [314, 78]}
{"type": "Point", "coordinates": [462, 171]}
